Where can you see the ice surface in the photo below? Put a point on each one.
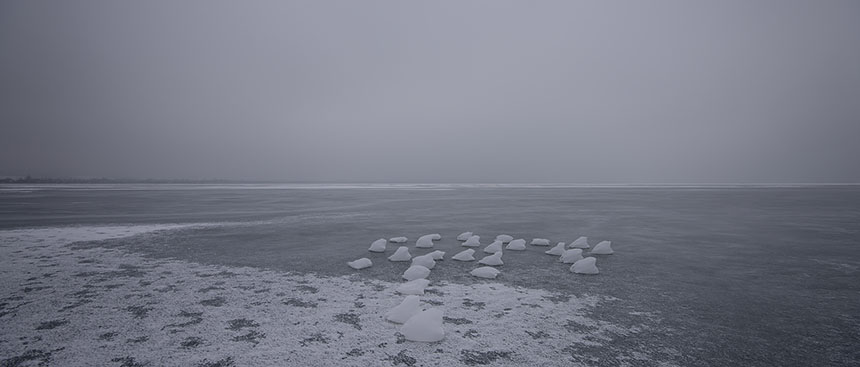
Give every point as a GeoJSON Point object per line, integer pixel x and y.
{"type": "Point", "coordinates": [557, 250]}
{"type": "Point", "coordinates": [581, 242]}
{"type": "Point", "coordinates": [494, 259]}
{"type": "Point", "coordinates": [413, 287]}
{"type": "Point", "coordinates": [465, 255]}
{"type": "Point", "coordinates": [402, 254]}
{"type": "Point", "coordinates": [425, 241]}
{"type": "Point", "coordinates": [426, 261]}
{"type": "Point", "coordinates": [406, 309]}
{"type": "Point", "coordinates": [603, 248]}
{"type": "Point", "coordinates": [473, 241]}
{"type": "Point", "coordinates": [438, 255]}
{"type": "Point", "coordinates": [378, 245]}
{"type": "Point", "coordinates": [540, 242]}
{"type": "Point", "coordinates": [398, 240]}
{"type": "Point", "coordinates": [504, 238]}
{"type": "Point", "coordinates": [360, 263]}
{"type": "Point", "coordinates": [425, 326]}
{"type": "Point", "coordinates": [322, 320]}
{"type": "Point", "coordinates": [516, 245]}
{"type": "Point", "coordinates": [571, 256]}
{"type": "Point", "coordinates": [587, 265]}
{"type": "Point", "coordinates": [494, 247]}
{"type": "Point", "coordinates": [416, 272]}
{"type": "Point", "coordinates": [488, 272]}
{"type": "Point", "coordinates": [464, 236]}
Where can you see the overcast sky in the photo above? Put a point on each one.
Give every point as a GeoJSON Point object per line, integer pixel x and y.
{"type": "Point", "coordinates": [452, 91]}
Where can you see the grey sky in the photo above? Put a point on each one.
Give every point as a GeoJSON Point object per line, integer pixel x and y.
{"type": "Point", "coordinates": [457, 91]}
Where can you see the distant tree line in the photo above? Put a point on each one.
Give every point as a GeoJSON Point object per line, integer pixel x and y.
{"type": "Point", "coordinates": [100, 180]}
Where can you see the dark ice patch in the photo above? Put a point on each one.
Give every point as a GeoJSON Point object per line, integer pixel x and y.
{"type": "Point", "coordinates": [401, 357]}
{"type": "Point", "coordinates": [138, 312]}
{"type": "Point", "coordinates": [33, 289]}
{"type": "Point", "coordinates": [167, 288]}
{"type": "Point", "coordinates": [434, 291]}
{"type": "Point", "coordinates": [538, 335]}
{"type": "Point", "coordinates": [129, 362]}
{"type": "Point", "coordinates": [191, 342]}
{"type": "Point", "coordinates": [43, 358]}
{"type": "Point", "coordinates": [307, 289]}
{"type": "Point", "coordinates": [108, 336]}
{"type": "Point", "coordinates": [48, 325]}
{"type": "Point", "coordinates": [238, 324]}
{"type": "Point", "coordinates": [295, 302]}
{"type": "Point", "coordinates": [139, 339]}
{"type": "Point", "coordinates": [209, 289]}
{"type": "Point", "coordinates": [349, 318]}
{"type": "Point", "coordinates": [196, 318]}
{"type": "Point", "coordinates": [477, 306]}
{"type": "Point", "coordinates": [590, 355]}
{"type": "Point", "coordinates": [223, 273]}
{"type": "Point", "coordinates": [224, 362]}
{"type": "Point", "coordinates": [576, 327]}
{"type": "Point", "coordinates": [214, 302]}
{"type": "Point", "coordinates": [125, 271]}
{"type": "Point", "coordinates": [251, 336]}
{"type": "Point", "coordinates": [557, 298]}
{"type": "Point", "coordinates": [456, 321]}
{"type": "Point", "coordinates": [473, 357]}
{"type": "Point", "coordinates": [314, 338]}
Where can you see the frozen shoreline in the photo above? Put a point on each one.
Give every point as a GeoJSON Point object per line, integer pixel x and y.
{"type": "Point", "coordinates": [97, 306]}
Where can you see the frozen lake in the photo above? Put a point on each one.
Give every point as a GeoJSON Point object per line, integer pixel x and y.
{"type": "Point", "coordinates": [754, 276]}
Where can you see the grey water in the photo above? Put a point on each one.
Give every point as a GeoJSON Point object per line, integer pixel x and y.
{"type": "Point", "coordinates": [735, 275]}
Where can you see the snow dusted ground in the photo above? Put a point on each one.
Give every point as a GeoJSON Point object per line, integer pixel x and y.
{"type": "Point", "coordinates": [77, 306]}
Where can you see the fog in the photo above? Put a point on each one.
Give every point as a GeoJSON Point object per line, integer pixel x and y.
{"type": "Point", "coordinates": [452, 91]}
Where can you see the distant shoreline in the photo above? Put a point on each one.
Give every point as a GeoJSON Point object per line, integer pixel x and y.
{"type": "Point", "coordinates": [395, 185]}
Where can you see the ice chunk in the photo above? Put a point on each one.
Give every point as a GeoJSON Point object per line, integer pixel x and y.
{"type": "Point", "coordinates": [464, 236]}
{"type": "Point", "coordinates": [516, 245]}
{"type": "Point", "coordinates": [602, 248]}
{"type": "Point", "coordinates": [425, 326]}
{"type": "Point", "coordinates": [494, 247]}
{"type": "Point", "coordinates": [494, 259]}
{"type": "Point", "coordinates": [585, 266]}
{"type": "Point", "coordinates": [571, 256]}
{"type": "Point", "coordinates": [504, 238]}
{"type": "Point", "coordinates": [360, 263]}
{"type": "Point", "coordinates": [416, 272]}
{"type": "Point", "coordinates": [488, 272]}
{"type": "Point", "coordinates": [425, 241]}
{"type": "Point", "coordinates": [406, 309]}
{"type": "Point", "coordinates": [378, 245]}
{"type": "Point", "coordinates": [438, 255]}
{"type": "Point", "coordinates": [413, 287]}
{"type": "Point", "coordinates": [466, 255]}
{"type": "Point", "coordinates": [402, 254]}
{"type": "Point", "coordinates": [425, 261]}
{"type": "Point", "coordinates": [435, 236]}
{"type": "Point", "coordinates": [398, 240]}
{"type": "Point", "coordinates": [557, 250]}
{"type": "Point", "coordinates": [540, 242]}
{"type": "Point", "coordinates": [581, 242]}
{"type": "Point", "coordinates": [473, 241]}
